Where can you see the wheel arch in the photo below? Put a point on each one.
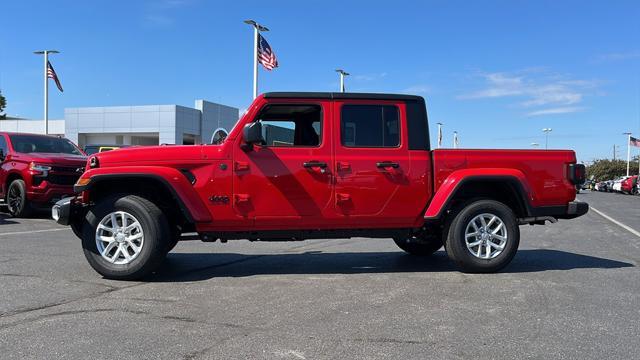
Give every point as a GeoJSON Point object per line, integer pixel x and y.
{"type": "Point", "coordinates": [156, 188]}
{"type": "Point", "coordinates": [508, 189]}
{"type": "Point", "coordinates": [14, 175]}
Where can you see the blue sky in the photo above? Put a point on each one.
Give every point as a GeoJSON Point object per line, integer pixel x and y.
{"type": "Point", "coordinates": [495, 71]}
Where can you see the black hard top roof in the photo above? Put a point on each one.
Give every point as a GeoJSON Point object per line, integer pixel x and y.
{"type": "Point", "coordinates": [339, 95]}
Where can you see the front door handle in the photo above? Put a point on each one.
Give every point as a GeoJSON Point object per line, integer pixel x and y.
{"type": "Point", "coordinates": [387, 164]}
{"type": "Point", "coordinates": [314, 164]}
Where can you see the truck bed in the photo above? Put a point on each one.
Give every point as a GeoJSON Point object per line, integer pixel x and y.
{"type": "Point", "coordinates": [545, 171]}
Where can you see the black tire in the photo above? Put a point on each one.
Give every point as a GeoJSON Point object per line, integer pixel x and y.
{"type": "Point", "coordinates": [456, 246]}
{"type": "Point", "coordinates": [422, 244]}
{"type": "Point", "coordinates": [16, 199]}
{"type": "Point", "coordinates": [175, 238]}
{"type": "Point", "coordinates": [154, 225]}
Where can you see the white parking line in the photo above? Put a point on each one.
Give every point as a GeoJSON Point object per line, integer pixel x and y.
{"type": "Point", "coordinates": [628, 228]}
{"type": "Point", "coordinates": [31, 232]}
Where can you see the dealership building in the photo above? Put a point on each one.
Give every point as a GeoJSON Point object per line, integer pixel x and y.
{"type": "Point", "coordinates": [135, 125]}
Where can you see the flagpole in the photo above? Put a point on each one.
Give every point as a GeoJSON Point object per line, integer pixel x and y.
{"type": "Point", "coordinates": [46, 86]}
{"type": "Point", "coordinates": [256, 31]}
{"type": "Point", "coordinates": [628, 150]}
{"type": "Point", "coordinates": [46, 94]}
{"type": "Point", "coordinates": [255, 62]}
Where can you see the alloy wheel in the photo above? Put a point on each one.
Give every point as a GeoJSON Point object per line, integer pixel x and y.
{"type": "Point", "coordinates": [14, 199]}
{"type": "Point", "coordinates": [486, 236]}
{"type": "Point", "coordinates": [119, 238]}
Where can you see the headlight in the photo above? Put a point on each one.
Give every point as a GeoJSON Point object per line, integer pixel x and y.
{"type": "Point", "coordinates": [93, 162]}
{"type": "Point", "coordinates": [39, 167]}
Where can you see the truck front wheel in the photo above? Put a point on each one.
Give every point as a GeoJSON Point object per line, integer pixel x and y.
{"type": "Point", "coordinates": [483, 237]}
{"type": "Point", "coordinates": [125, 237]}
{"type": "Point", "coordinates": [16, 199]}
{"type": "Point", "coordinates": [422, 244]}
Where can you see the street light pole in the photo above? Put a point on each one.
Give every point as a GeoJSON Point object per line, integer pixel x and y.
{"type": "Point", "coordinates": [46, 86]}
{"type": "Point", "coordinates": [546, 132]}
{"type": "Point", "coordinates": [256, 31]}
{"type": "Point", "coordinates": [439, 135]}
{"type": "Point", "coordinates": [342, 75]}
{"type": "Point", "coordinates": [628, 150]}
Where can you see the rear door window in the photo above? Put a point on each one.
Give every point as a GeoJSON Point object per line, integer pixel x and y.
{"type": "Point", "coordinates": [370, 126]}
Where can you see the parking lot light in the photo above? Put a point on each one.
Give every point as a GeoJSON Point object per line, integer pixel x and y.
{"type": "Point", "coordinates": [546, 132]}
{"type": "Point", "coordinates": [342, 75]}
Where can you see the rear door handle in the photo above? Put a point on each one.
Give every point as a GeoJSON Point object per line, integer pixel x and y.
{"type": "Point", "coordinates": [314, 164]}
{"type": "Point", "coordinates": [387, 164]}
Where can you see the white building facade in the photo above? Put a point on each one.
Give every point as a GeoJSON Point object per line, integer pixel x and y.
{"type": "Point", "coordinates": [147, 125]}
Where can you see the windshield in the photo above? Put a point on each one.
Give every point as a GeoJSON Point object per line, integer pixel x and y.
{"type": "Point", "coordinates": [43, 144]}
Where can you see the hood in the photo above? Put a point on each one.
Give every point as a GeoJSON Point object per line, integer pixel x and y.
{"type": "Point", "coordinates": [54, 158]}
{"type": "Point", "coordinates": [152, 155]}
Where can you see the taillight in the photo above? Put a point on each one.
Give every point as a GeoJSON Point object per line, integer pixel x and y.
{"type": "Point", "coordinates": [577, 174]}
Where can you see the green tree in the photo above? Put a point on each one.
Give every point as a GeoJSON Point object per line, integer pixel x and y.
{"type": "Point", "coordinates": [605, 169]}
{"type": "Point", "coordinates": [3, 104]}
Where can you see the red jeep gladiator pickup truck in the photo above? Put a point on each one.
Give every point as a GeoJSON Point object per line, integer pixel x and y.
{"type": "Point", "coordinates": [37, 170]}
{"type": "Point", "coordinates": [319, 165]}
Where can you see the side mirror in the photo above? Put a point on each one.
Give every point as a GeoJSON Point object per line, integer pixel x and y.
{"type": "Point", "coordinates": [218, 136]}
{"type": "Point", "coordinates": [253, 133]}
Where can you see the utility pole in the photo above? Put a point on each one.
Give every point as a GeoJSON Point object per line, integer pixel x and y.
{"type": "Point", "coordinates": [628, 150]}
{"type": "Point", "coordinates": [46, 86]}
{"type": "Point", "coordinates": [342, 75]}
{"type": "Point", "coordinates": [614, 152]}
{"type": "Point", "coordinates": [257, 28]}
{"type": "Point", "coordinates": [546, 132]}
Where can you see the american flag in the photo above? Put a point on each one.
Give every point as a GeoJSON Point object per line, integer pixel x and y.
{"type": "Point", "coordinates": [266, 56]}
{"type": "Point", "coordinates": [51, 74]}
{"type": "Point", "coordinates": [634, 141]}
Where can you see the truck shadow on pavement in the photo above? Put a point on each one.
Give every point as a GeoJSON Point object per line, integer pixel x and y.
{"type": "Point", "coordinates": [6, 219]}
{"type": "Point", "coordinates": [202, 266]}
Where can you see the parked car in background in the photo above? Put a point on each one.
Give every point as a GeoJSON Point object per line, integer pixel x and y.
{"type": "Point", "coordinates": [93, 149]}
{"type": "Point", "coordinates": [617, 184]}
{"type": "Point", "coordinates": [610, 185]}
{"type": "Point", "coordinates": [601, 186]}
{"type": "Point", "coordinates": [37, 170]}
{"type": "Point", "coordinates": [629, 185]}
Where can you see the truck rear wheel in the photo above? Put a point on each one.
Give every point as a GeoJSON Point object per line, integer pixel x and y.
{"type": "Point", "coordinates": [421, 244]}
{"type": "Point", "coordinates": [483, 237]}
{"type": "Point", "coordinates": [125, 237]}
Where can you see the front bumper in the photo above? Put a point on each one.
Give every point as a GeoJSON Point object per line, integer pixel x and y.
{"type": "Point", "coordinates": [63, 210]}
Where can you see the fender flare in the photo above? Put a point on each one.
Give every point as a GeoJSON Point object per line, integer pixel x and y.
{"type": "Point", "coordinates": [457, 179]}
{"type": "Point", "coordinates": [172, 179]}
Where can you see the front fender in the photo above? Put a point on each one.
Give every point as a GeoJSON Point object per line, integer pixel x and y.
{"type": "Point", "coordinates": [456, 179]}
{"type": "Point", "coordinates": [174, 180]}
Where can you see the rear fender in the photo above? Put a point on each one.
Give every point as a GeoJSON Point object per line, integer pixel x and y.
{"type": "Point", "coordinates": [454, 182]}
{"type": "Point", "coordinates": [175, 181]}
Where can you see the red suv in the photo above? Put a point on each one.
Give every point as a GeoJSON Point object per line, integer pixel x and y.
{"type": "Point", "coordinates": [37, 170]}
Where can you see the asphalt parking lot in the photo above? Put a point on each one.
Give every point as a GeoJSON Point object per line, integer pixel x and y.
{"type": "Point", "coordinates": [572, 292]}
